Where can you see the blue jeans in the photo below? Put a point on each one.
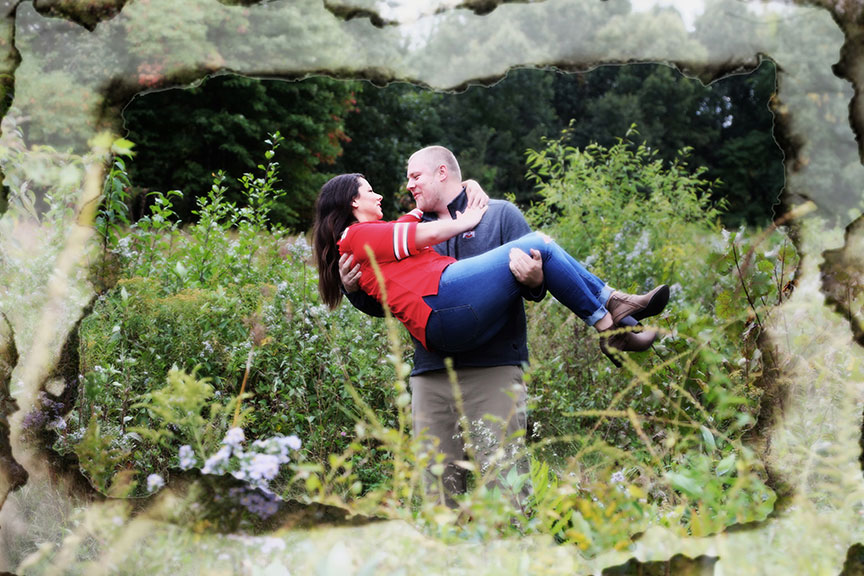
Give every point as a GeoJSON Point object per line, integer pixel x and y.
{"type": "Point", "coordinates": [475, 294]}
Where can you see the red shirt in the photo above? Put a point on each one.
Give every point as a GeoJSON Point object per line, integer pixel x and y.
{"type": "Point", "coordinates": [409, 272]}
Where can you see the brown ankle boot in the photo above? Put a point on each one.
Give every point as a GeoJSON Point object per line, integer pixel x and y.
{"type": "Point", "coordinates": [621, 304]}
{"type": "Point", "coordinates": [618, 342]}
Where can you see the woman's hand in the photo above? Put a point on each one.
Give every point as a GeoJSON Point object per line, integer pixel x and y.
{"type": "Point", "coordinates": [477, 198]}
{"type": "Point", "coordinates": [471, 217]}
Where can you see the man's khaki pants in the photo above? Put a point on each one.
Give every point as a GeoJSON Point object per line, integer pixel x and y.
{"type": "Point", "coordinates": [491, 401]}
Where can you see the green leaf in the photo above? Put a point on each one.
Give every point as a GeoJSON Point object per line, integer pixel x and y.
{"type": "Point", "coordinates": [766, 266]}
{"type": "Point", "coordinates": [122, 147]}
{"type": "Point", "coordinates": [726, 465]}
{"type": "Point", "coordinates": [685, 484]}
{"type": "Point", "coordinates": [724, 305]}
{"type": "Point", "coordinates": [708, 438]}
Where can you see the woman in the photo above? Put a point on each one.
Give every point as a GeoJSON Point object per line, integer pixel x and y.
{"type": "Point", "coordinates": [449, 305]}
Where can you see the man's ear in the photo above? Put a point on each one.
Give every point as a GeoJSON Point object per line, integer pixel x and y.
{"type": "Point", "coordinates": [442, 172]}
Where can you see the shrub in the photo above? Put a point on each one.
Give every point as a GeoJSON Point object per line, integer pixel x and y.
{"type": "Point", "coordinates": [677, 415]}
{"type": "Point", "coordinates": [236, 303]}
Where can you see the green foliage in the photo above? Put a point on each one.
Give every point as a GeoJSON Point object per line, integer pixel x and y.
{"type": "Point", "coordinates": [179, 406]}
{"type": "Point", "coordinates": [223, 245]}
{"type": "Point", "coordinates": [677, 416]}
{"type": "Point", "coordinates": [352, 127]}
{"type": "Point", "coordinates": [226, 116]}
{"type": "Point", "coordinates": [113, 213]}
{"type": "Point", "coordinates": [617, 208]}
{"type": "Point", "coordinates": [100, 456]}
{"type": "Point", "coordinates": [232, 302]}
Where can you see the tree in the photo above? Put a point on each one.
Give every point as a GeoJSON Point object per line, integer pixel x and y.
{"type": "Point", "coordinates": [184, 136]}
{"type": "Point", "coordinates": [389, 124]}
{"type": "Point", "coordinates": [728, 125]}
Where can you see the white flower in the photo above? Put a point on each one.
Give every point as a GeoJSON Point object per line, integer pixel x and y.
{"type": "Point", "coordinates": [234, 437]}
{"type": "Point", "coordinates": [293, 442]}
{"type": "Point", "coordinates": [216, 464]}
{"type": "Point", "coordinates": [618, 477]}
{"type": "Point", "coordinates": [270, 543]}
{"type": "Point", "coordinates": [154, 482]}
{"type": "Point", "coordinates": [187, 457]}
{"type": "Point", "coordinates": [263, 467]}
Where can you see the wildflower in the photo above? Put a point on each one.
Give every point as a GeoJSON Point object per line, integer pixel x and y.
{"type": "Point", "coordinates": [154, 482]}
{"type": "Point", "coordinates": [618, 477]}
{"type": "Point", "coordinates": [293, 442]}
{"type": "Point", "coordinates": [263, 467]}
{"type": "Point", "coordinates": [34, 420]}
{"type": "Point", "coordinates": [187, 457]}
{"type": "Point", "coordinates": [271, 543]}
{"type": "Point", "coordinates": [217, 463]}
{"type": "Point", "coordinates": [262, 505]}
{"type": "Point", "coordinates": [234, 437]}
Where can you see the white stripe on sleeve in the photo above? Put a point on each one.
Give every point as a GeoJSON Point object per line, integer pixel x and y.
{"type": "Point", "coordinates": [400, 240]}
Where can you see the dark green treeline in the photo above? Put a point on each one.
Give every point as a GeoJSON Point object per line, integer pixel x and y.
{"type": "Point", "coordinates": [332, 126]}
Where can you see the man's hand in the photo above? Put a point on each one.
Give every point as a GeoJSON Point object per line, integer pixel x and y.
{"type": "Point", "coordinates": [350, 275]}
{"type": "Point", "coordinates": [477, 198]}
{"type": "Point", "coordinates": [527, 269]}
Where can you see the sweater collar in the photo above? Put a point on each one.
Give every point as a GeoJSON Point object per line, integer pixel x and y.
{"type": "Point", "coordinates": [458, 204]}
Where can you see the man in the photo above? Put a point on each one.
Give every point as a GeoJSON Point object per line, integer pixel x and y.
{"type": "Point", "coordinates": [490, 393]}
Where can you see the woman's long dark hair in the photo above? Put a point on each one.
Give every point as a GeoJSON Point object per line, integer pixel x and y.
{"type": "Point", "coordinates": [333, 214]}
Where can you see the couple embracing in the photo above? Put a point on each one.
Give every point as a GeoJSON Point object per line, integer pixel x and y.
{"type": "Point", "coordinates": [455, 272]}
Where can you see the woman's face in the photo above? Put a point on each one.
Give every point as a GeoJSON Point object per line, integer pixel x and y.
{"type": "Point", "coordinates": [366, 204]}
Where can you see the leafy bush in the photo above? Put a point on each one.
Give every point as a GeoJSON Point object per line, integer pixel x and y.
{"type": "Point", "coordinates": [676, 417]}
{"type": "Point", "coordinates": [235, 303]}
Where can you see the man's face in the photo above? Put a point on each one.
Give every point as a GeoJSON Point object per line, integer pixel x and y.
{"type": "Point", "coordinates": [424, 184]}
